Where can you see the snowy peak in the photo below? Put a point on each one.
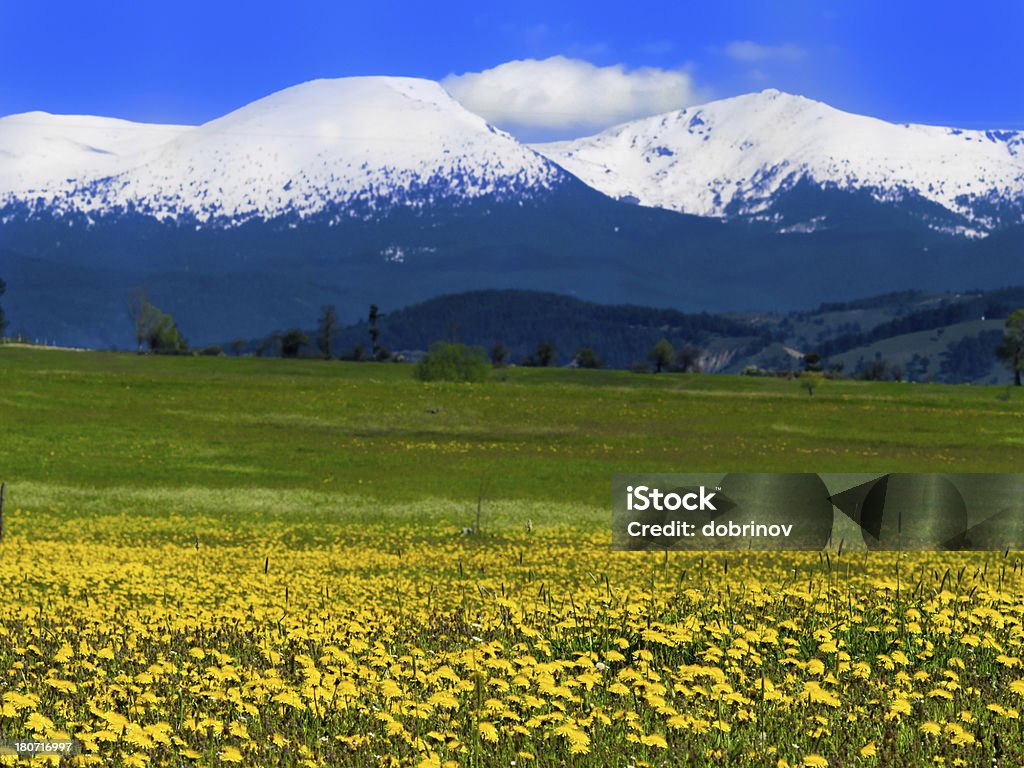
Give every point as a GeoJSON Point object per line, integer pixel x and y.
{"type": "Point", "coordinates": [40, 151]}
{"type": "Point", "coordinates": [355, 145]}
{"type": "Point", "coordinates": [735, 155]}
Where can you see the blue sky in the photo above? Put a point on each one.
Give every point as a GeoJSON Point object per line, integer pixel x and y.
{"type": "Point", "coordinates": [192, 61]}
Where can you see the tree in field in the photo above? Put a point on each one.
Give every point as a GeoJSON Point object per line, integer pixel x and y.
{"type": "Point", "coordinates": [810, 380]}
{"type": "Point", "coordinates": [1011, 351]}
{"type": "Point", "coordinates": [687, 360]}
{"type": "Point", "coordinates": [271, 345]}
{"type": "Point", "coordinates": [452, 362]}
{"type": "Point", "coordinates": [293, 342]}
{"type": "Point", "coordinates": [876, 370]}
{"type": "Point", "coordinates": [587, 358]}
{"type": "Point", "coordinates": [812, 362]}
{"type": "Point", "coordinates": [138, 304]}
{"type": "Point", "coordinates": [661, 355]}
{"type": "Point", "coordinates": [161, 333]}
{"type": "Point", "coordinates": [375, 315]}
{"type": "Point", "coordinates": [153, 328]}
{"type": "Point", "coordinates": [327, 330]}
{"type": "Point", "coordinates": [500, 354]}
{"type": "Point", "coordinates": [545, 354]}
{"type": "Point", "coordinates": [3, 320]}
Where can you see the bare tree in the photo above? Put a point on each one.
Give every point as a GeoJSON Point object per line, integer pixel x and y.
{"type": "Point", "coordinates": [327, 330]}
{"type": "Point", "coordinates": [138, 304]}
{"type": "Point", "coordinates": [375, 315]}
{"type": "Point", "coordinates": [3, 320]}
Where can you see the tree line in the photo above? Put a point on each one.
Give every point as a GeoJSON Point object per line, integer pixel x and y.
{"type": "Point", "coordinates": [3, 319]}
{"type": "Point", "coordinates": [156, 331]}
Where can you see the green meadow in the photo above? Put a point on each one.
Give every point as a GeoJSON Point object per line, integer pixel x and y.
{"type": "Point", "coordinates": [242, 561]}
{"type": "Point", "coordinates": [245, 438]}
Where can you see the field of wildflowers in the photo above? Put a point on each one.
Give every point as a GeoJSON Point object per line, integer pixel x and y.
{"type": "Point", "coordinates": [168, 614]}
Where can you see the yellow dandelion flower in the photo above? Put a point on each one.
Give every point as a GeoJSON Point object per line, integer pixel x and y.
{"type": "Point", "coordinates": [815, 761]}
{"type": "Point", "coordinates": [443, 700]}
{"type": "Point", "coordinates": [579, 741]}
{"type": "Point", "coordinates": [488, 732]}
{"type": "Point", "coordinates": [290, 698]}
{"type": "Point", "coordinates": [868, 750]}
{"type": "Point", "coordinates": [678, 722]}
{"type": "Point", "coordinates": [37, 723]}
{"type": "Point", "coordinates": [898, 708]}
{"type": "Point", "coordinates": [65, 686]}
{"type": "Point", "coordinates": [230, 755]}
{"type": "Point", "coordinates": [958, 735]}
{"type": "Point", "coordinates": [19, 702]}
{"type": "Point", "coordinates": [655, 740]}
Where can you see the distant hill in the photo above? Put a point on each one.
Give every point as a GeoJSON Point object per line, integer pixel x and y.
{"type": "Point", "coordinates": [621, 334]}
{"type": "Point", "coordinates": [919, 336]}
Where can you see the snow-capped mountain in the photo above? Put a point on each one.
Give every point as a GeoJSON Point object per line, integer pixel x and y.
{"type": "Point", "coordinates": [386, 190]}
{"type": "Point", "coordinates": [735, 156]}
{"type": "Point", "coordinates": [350, 145]}
{"type": "Point", "coordinates": [44, 154]}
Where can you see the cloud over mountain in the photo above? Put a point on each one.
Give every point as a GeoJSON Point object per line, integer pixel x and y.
{"type": "Point", "coordinates": [564, 94]}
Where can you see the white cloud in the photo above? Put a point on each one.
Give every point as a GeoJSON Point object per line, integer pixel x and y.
{"type": "Point", "coordinates": [559, 94]}
{"type": "Point", "coordinates": [748, 50]}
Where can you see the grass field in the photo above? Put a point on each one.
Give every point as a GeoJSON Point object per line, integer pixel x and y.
{"type": "Point", "coordinates": [223, 561]}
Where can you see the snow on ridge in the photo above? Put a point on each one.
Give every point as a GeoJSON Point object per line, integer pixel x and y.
{"type": "Point", "coordinates": [369, 141]}
{"type": "Point", "coordinates": [41, 152]}
{"type": "Point", "coordinates": [741, 151]}
{"type": "Point", "coordinates": [357, 146]}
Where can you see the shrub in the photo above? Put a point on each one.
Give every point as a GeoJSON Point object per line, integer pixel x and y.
{"type": "Point", "coordinates": [453, 362]}
{"type": "Point", "coordinates": [293, 342]}
{"type": "Point", "coordinates": [587, 358]}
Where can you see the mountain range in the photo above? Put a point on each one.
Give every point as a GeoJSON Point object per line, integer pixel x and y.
{"type": "Point", "coordinates": [386, 190]}
{"type": "Point", "coordinates": [737, 157]}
